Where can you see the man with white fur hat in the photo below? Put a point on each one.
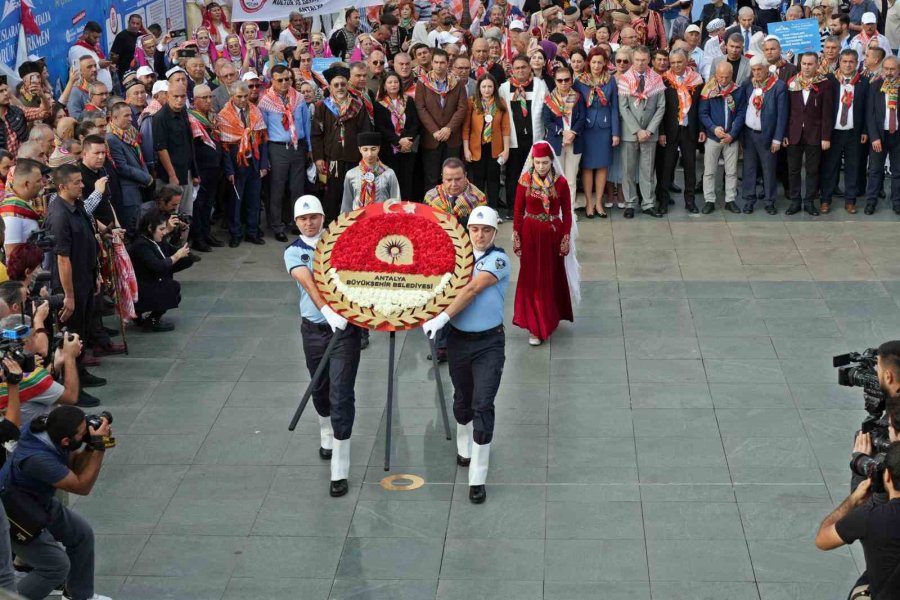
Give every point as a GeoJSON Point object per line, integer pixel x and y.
{"type": "Point", "coordinates": [333, 396]}
{"type": "Point", "coordinates": [476, 348]}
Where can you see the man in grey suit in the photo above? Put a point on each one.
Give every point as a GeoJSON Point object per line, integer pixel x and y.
{"type": "Point", "coordinates": [226, 75]}
{"type": "Point", "coordinates": [642, 103]}
{"type": "Point", "coordinates": [734, 54]}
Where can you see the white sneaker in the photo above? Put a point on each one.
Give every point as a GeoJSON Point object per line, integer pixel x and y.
{"type": "Point", "coordinates": [608, 204]}
{"type": "Point", "coordinates": [620, 205]}
{"type": "Point", "coordinates": [534, 341]}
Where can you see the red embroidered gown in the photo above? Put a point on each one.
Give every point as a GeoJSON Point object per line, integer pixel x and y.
{"type": "Point", "coordinates": [542, 293]}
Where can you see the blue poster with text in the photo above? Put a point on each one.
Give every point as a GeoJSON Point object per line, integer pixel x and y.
{"type": "Point", "coordinates": [797, 36]}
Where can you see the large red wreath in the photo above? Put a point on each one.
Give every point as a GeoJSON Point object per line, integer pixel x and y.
{"type": "Point", "coordinates": [433, 251]}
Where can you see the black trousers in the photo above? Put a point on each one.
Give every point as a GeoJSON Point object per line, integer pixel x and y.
{"type": "Point", "coordinates": [333, 395]}
{"type": "Point", "coordinates": [766, 16]}
{"type": "Point", "coordinates": [288, 173]}
{"type": "Point", "coordinates": [514, 166]}
{"type": "Point", "coordinates": [476, 366]}
{"type": "Point", "coordinates": [334, 189]}
{"type": "Point", "coordinates": [203, 205]}
{"type": "Point", "coordinates": [80, 321]}
{"type": "Point", "coordinates": [433, 161]}
{"type": "Point", "coordinates": [485, 175]}
{"type": "Point", "coordinates": [890, 147]}
{"type": "Point", "coordinates": [403, 165]}
{"type": "Point", "coordinates": [687, 143]}
{"type": "Point", "coordinates": [796, 153]}
{"type": "Point", "coordinates": [844, 144]}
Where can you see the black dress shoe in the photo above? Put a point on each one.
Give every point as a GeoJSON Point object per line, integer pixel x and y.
{"type": "Point", "coordinates": [463, 462]}
{"type": "Point", "coordinates": [651, 212]}
{"type": "Point", "coordinates": [732, 207]}
{"type": "Point", "coordinates": [748, 210]}
{"type": "Point", "coordinates": [86, 400]}
{"type": "Point", "coordinates": [257, 240]}
{"type": "Point", "coordinates": [112, 332]}
{"type": "Point", "coordinates": [364, 342]}
{"type": "Point", "coordinates": [441, 355]}
{"type": "Point", "coordinates": [194, 257]}
{"type": "Point", "coordinates": [234, 242]}
{"type": "Point", "coordinates": [324, 453]}
{"type": "Point", "coordinates": [869, 210]}
{"type": "Point", "coordinates": [201, 246]}
{"type": "Point", "coordinates": [629, 213]}
{"type": "Point", "coordinates": [338, 488]}
{"type": "Point", "coordinates": [793, 209]}
{"type": "Point", "coordinates": [90, 380]}
{"type": "Point", "coordinates": [811, 210]}
{"type": "Point", "coordinates": [772, 210]}
{"type": "Point", "coordinates": [588, 216]}
{"type": "Point", "coordinates": [691, 208]}
{"type": "Point", "coordinates": [674, 188]}
{"type": "Point", "coordinates": [477, 494]}
{"type": "Point", "coordinates": [708, 207]}
{"type": "Point", "coordinates": [155, 324]}
{"type": "Point", "coordinates": [214, 242]}
{"type": "Point", "coordinates": [281, 237]}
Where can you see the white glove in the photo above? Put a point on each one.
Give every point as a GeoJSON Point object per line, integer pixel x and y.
{"type": "Point", "coordinates": [336, 321]}
{"type": "Point", "coordinates": [432, 326]}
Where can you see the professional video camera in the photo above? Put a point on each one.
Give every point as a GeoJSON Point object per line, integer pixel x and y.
{"type": "Point", "coordinates": [12, 345]}
{"type": "Point", "coordinates": [42, 239]}
{"type": "Point", "coordinates": [862, 374]}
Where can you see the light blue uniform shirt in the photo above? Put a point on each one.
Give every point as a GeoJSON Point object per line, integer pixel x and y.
{"type": "Point", "coordinates": [299, 255]}
{"type": "Point", "coordinates": [486, 310]}
{"type": "Point", "coordinates": [277, 133]}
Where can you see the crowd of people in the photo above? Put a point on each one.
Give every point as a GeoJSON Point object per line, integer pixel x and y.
{"type": "Point", "coordinates": [165, 149]}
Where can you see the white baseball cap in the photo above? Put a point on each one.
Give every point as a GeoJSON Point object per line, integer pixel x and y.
{"type": "Point", "coordinates": [307, 205]}
{"type": "Point", "coordinates": [144, 71]}
{"type": "Point", "coordinates": [160, 86]}
{"type": "Point", "coordinates": [484, 215]}
{"type": "Point", "coordinates": [869, 18]}
{"type": "Point", "coordinates": [692, 29]}
{"type": "Point", "coordinates": [517, 25]}
{"type": "Point", "coordinates": [249, 76]}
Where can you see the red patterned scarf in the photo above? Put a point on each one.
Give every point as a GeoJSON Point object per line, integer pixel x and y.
{"type": "Point", "coordinates": [596, 88]}
{"type": "Point", "coordinates": [272, 102]}
{"type": "Point", "coordinates": [368, 175]}
{"type": "Point", "coordinates": [684, 89]}
{"type": "Point", "coordinates": [518, 94]}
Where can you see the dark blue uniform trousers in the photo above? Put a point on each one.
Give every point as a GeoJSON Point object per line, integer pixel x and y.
{"type": "Point", "coordinates": [476, 365]}
{"type": "Point", "coordinates": [333, 395]}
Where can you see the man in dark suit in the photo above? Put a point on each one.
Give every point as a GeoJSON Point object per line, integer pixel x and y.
{"type": "Point", "coordinates": [784, 70]}
{"type": "Point", "coordinates": [809, 130]}
{"type": "Point", "coordinates": [884, 134]}
{"type": "Point", "coordinates": [849, 135]}
{"type": "Point", "coordinates": [680, 129]}
{"type": "Point", "coordinates": [744, 26]}
{"type": "Point", "coordinates": [764, 127]}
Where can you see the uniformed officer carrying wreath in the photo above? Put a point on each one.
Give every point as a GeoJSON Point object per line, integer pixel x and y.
{"type": "Point", "coordinates": [333, 396]}
{"type": "Point", "coordinates": [476, 348]}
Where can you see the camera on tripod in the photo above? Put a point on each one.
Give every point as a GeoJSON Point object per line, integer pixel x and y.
{"type": "Point", "coordinates": [857, 369]}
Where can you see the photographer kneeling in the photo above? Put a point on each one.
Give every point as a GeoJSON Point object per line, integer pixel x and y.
{"type": "Point", "coordinates": [155, 261]}
{"type": "Point", "coordinates": [46, 459]}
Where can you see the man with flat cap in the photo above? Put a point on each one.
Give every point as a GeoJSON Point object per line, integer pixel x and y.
{"type": "Point", "coordinates": [336, 122]}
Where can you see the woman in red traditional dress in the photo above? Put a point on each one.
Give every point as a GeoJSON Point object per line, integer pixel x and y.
{"type": "Point", "coordinates": [543, 237]}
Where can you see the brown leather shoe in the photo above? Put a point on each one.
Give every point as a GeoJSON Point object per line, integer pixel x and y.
{"type": "Point", "coordinates": [825, 208]}
{"type": "Point", "coordinates": [851, 208]}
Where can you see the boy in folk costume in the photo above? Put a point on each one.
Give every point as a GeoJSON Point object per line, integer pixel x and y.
{"type": "Point", "coordinates": [371, 181]}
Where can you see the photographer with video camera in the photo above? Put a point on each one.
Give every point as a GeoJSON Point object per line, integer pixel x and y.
{"type": "Point", "coordinates": [51, 538]}
{"type": "Point", "coordinates": [871, 513]}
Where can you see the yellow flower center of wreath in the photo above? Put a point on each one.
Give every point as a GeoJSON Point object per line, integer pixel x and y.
{"type": "Point", "coordinates": [395, 250]}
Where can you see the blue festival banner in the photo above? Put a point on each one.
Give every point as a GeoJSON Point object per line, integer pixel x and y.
{"type": "Point", "coordinates": [797, 36]}
{"type": "Point", "coordinates": [9, 35]}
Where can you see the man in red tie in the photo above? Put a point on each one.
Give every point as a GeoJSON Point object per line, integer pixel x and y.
{"type": "Point", "coordinates": [883, 133]}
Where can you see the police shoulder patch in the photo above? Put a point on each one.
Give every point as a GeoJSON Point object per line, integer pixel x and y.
{"type": "Point", "coordinates": [499, 263]}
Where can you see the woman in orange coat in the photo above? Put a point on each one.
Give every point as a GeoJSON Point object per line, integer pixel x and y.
{"type": "Point", "coordinates": [486, 138]}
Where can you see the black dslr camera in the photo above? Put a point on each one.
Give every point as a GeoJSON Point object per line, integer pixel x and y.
{"type": "Point", "coordinates": [41, 239]}
{"type": "Point", "coordinates": [858, 370]}
{"type": "Point", "coordinates": [40, 281]}
{"type": "Point", "coordinates": [12, 345]}
{"type": "Point", "coordinates": [96, 421]}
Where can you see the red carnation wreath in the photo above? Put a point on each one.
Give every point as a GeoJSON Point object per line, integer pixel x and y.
{"type": "Point", "coordinates": [392, 266]}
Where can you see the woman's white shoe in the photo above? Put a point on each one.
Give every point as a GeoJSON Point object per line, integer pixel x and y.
{"type": "Point", "coordinates": [534, 341]}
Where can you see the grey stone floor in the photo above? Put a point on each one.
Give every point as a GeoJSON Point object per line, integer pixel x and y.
{"type": "Point", "coordinates": [681, 440]}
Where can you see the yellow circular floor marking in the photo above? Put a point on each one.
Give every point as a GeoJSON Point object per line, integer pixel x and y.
{"type": "Point", "coordinates": [402, 482]}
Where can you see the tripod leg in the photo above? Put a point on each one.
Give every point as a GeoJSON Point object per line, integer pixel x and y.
{"type": "Point", "coordinates": [315, 379]}
{"type": "Point", "coordinates": [440, 388]}
{"type": "Point", "coordinates": [390, 402]}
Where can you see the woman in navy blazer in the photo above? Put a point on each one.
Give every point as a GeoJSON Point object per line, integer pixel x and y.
{"type": "Point", "coordinates": [563, 115]}
{"type": "Point", "coordinates": [601, 128]}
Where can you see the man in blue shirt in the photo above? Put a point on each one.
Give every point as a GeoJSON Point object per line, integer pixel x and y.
{"type": "Point", "coordinates": [475, 348]}
{"type": "Point", "coordinates": [44, 461]}
{"type": "Point", "coordinates": [287, 121]}
{"type": "Point", "coordinates": [333, 395]}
